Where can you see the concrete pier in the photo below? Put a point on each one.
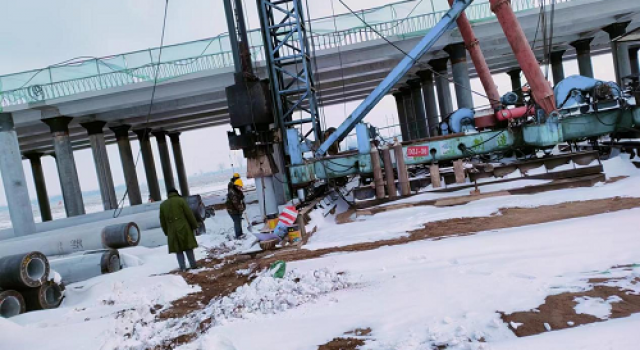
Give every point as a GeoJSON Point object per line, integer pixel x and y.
{"type": "Point", "coordinates": [620, 51]}
{"type": "Point", "coordinates": [40, 184]}
{"type": "Point", "coordinates": [557, 70]}
{"type": "Point", "coordinates": [179, 159]}
{"type": "Point", "coordinates": [128, 163]}
{"type": "Point", "coordinates": [445, 103]}
{"type": "Point", "coordinates": [409, 111]}
{"type": "Point", "coordinates": [69, 182]}
{"type": "Point", "coordinates": [13, 179]}
{"type": "Point", "coordinates": [419, 128]}
{"type": "Point", "coordinates": [430, 101]}
{"type": "Point", "coordinates": [402, 116]}
{"type": "Point", "coordinates": [633, 59]}
{"type": "Point", "coordinates": [165, 160]}
{"type": "Point", "coordinates": [583, 55]}
{"type": "Point", "coordinates": [144, 137]}
{"type": "Point", "coordinates": [516, 84]}
{"type": "Point", "coordinates": [101, 160]}
{"type": "Point", "coordinates": [460, 71]}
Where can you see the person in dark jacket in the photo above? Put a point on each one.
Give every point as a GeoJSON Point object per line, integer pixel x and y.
{"type": "Point", "coordinates": [236, 206]}
{"type": "Point", "coordinates": [178, 224]}
{"type": "Point", "coordinates": [335, 147]}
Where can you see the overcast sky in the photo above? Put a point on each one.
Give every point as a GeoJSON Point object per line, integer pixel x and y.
{"type": "Point", "coordinates": [38, 33]}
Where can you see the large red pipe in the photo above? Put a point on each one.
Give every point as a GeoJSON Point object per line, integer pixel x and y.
{"type": "Point", "coordinates": [514, 113]}
{"type": "Point", "coordinates": [477, 57]}
{"type": "Point", "coordinates": [540, 89]}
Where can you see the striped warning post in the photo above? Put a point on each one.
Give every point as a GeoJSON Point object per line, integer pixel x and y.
{"type": "Point", "coordinates": [289, 215]}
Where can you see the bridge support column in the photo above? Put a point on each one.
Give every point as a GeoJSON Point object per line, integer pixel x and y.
{"type": "Point", "coordinates": [633, 58]}
{"type": "Point", "coordinates": [128, 164]}
{"type": "Point", "coordinates": [460, 71]}
{"type": "Point", "coordinates": [620, 51]}
{"type": "Point", "coordinates": [402, 116]}
{"type": "Point", "coordinates": [101, 160]}
{"type": "Point", "coordinates": [40, 184]}
{"type": "Point", "coordinates": [179, 159]}
{"type": "Point", "coordinates": [409, 111]}
{"type": "Point", "coordinates": [445, 103]}
{"type": "Point", "coordinates": [557, 70]}
{"type": "Point", "coordinates": [430, 101]}
{"type": "Point", "coordinates": [516, 84]}
{"type": "Point", "coordinates": [144, 136]}
{"type": "Point", "coordinates": [583, 53]}
{"type": "Point", "coordinates": [13, 179]}
{"type": "Point", "coordinates": [419, 129]}
{"type": "Point", "coordinates": [69, 182]}
{"type": "Point", "coordinates": [165, 160]}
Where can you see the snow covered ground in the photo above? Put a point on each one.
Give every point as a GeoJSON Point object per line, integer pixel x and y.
{"type": "Point", "coordinates": [419, 295]}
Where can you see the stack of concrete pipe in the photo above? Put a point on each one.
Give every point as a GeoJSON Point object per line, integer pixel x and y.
{"type": "Point", "coordinates": [24, 285]}
{"type": "Point", "coordinates": [82, 253]}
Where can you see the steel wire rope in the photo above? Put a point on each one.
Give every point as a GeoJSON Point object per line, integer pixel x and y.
{"type": "Point", "coordinates": [415, 61]}
{"type": "Point", "coordinates": [120, 207]}
{"type": "Point", "coordinates": [323, 120]}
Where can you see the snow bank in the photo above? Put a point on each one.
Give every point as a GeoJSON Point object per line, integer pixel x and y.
{"type": "Point", "coordinates": [268, 295]}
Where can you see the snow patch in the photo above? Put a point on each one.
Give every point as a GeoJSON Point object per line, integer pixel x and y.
{"type": "Point", "coordinates": [597, 307]}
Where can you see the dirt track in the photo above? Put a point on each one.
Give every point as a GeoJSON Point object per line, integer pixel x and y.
{"type": "Point", "coordinates": [224, 280]}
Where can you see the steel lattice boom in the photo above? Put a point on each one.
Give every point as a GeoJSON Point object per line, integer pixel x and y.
{"type": "Point", "coordinates": [288, 59]}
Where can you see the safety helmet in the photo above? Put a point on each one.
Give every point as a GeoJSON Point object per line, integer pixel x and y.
{"type": "Point", "coordinates": [238, 182]}
{"type": "Point", "coordinates": [236, 175]}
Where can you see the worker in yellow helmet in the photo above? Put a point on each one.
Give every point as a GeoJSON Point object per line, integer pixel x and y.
{"type": "Point", "coordinates": [236, 206]}
{"type": "Point", "coordinates": [233, 179]}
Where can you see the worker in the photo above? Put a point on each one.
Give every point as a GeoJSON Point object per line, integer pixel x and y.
{"type": "Point", "coordinates": [233, 179]}
{"type": "Point", "coordinates": [179, 225]}
{"type": "Point", "coordinates": [236, 206]}
{"type": "Point", "coordinates": [335, 147]}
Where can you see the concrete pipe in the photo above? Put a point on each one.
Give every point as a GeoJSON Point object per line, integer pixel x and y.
{"type": "Point", "coordinates": [23, 270]}
{"type": "Point", "coordinates": [75, 239]}
{"type": "Point", "coordinates": [48, 296]}
{"type": "Point", "coordinates": [11, 304]}
{"type": "Point", "coordinates": [121, 235]}
{"type": "Point", "coordinates": [78, 268]}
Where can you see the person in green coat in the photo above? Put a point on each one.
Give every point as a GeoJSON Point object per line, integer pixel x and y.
{"type": "Point", "coordinates": [178, 224]}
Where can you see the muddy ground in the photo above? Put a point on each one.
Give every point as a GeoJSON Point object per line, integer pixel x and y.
{"type": "Point", "coordinates": [222, 278]}
{"type": "Point", "coordinates": [558, 311]}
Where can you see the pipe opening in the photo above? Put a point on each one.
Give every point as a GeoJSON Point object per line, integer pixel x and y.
{"type": "Point", "coordinates": [36, 269]}
{"type": "Point", "coordinates": [10, 306]}
{"type": "Point", "coordinates": [52, 294]}
{"type": "Point", "coordinates": [133, 234]}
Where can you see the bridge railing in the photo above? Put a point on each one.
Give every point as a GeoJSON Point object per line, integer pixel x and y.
{"type": "Point", "coordinates": [95, 74]}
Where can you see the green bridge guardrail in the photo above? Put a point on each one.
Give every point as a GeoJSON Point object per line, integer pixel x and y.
{"type": "Point", "coordinates": [97, 74]}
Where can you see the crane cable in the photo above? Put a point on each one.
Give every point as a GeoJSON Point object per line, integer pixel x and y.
{"type": "Point", "coordinates": [415, 61]}
{"type": "Point", "coordinates": [120, 207]}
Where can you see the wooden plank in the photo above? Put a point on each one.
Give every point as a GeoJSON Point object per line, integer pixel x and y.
{"type": "Point", "coordinates": [434, 173]}
{"type": "Point", "coordinates": [585, 181]}
{"type": "Point", "coordinates": [458, 170]}
{"type": "Point", "coordinates": [564, 174]}
{"type": "Point", "coordinates": [453, 201]}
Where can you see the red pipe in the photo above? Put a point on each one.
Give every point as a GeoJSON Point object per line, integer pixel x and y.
{"type": "Point", "coordinates": [514, 113]}
{"type": "Point", "coordinates": [540, 89]}
{"type": "Point", "coordinates": [477, 57]}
